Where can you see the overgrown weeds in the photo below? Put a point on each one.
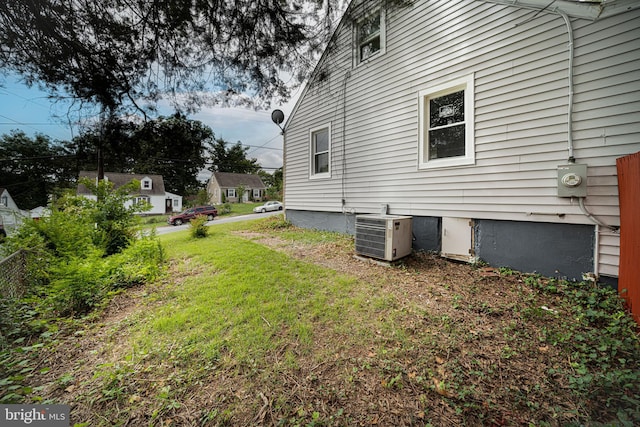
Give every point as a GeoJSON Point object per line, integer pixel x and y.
{"type": "Point", "coordinates": [602, 342]}
{"type": "Point", "coordinates": [79, 256]}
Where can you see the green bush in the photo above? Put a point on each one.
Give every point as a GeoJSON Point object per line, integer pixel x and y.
{"type": "Point", "coordinates": [139, 263]}
{"type": "Point", "coordinates": [197, 228]}
{"type": "Point", "coordinates": [77, 284]}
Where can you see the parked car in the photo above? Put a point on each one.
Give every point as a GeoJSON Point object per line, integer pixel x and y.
{"type": "Point", "coordinates": [209, 211]}
{"type": "Point", "coordinates": [269, 206]}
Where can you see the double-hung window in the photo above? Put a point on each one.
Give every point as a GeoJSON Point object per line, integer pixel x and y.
{"type": "Point", "coordinates": [446, 124]}
{"type": "Point", "coordinates": [231, 192]}
{"type": "Point", "coordinates": [370, 36]}
{"type": "Point", "coordinates": [321, 152]}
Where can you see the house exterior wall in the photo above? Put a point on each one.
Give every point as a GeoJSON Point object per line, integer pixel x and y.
{"type": "Point", "coordinates": [519, 67]}
{"type": "Point", "coordinates": [157, 205]}
{"type": "Point", "coordinates": [6, 201]}
{"type": "Point", "coordinates": [176, 201]}
{"type": "Point", "coordinates": [151, 188]}
{"type": "Point", "coordinates": [216, 192]}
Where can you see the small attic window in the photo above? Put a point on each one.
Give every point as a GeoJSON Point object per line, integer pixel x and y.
{"type": "Point", "coordinates": [146, 184]}
{"type": "Point", "coordinates": [370, 36]}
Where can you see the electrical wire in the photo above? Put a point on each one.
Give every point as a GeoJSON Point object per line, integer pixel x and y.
{"type": "Point", "coordinates": [589, 215]}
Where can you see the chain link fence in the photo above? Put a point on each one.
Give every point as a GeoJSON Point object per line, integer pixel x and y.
{"type": "Point", "coordinates": [14, 275]}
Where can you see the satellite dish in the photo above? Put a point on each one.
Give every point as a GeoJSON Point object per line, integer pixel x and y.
{"type": "Point", "coordinates": [277, 116]}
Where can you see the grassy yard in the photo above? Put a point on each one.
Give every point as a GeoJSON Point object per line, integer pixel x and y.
{"type": "Point", "coordinates": [265, 324]}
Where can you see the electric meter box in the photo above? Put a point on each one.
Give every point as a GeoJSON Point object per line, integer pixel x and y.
{"type": "Point", "coordinates": [572, 180]}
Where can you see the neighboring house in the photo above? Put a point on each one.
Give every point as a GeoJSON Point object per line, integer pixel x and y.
{"type": "Point", "coordinates": [227, 184]}
{"type": "Point", "coordinates": [10, 213]}
{"type": "Point", "coordinates": [39, 212]}
{"type": "Point", "coordinates": [496, 125]}
{"type": "Point", "coordinates": [151, 190]}
{"type": "Point", "coordinates": [6, 201]}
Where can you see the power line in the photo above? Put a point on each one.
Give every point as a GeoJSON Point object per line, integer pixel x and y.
{"type": "Point", "coordinates": [27, 124]}
{"type": "Point", "coordinates": [60, 156]}
{"type": "Point", "coordinates": [256, 147]}
{"type": "Point", "coordinates": [263, 145]}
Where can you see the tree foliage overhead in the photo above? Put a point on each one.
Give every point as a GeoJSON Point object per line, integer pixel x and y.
{"type": "Point", "coordinates": [123, 54]}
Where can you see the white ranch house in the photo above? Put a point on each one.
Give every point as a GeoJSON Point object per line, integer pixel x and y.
{"type": "Point", "coordinates": [495, 125]}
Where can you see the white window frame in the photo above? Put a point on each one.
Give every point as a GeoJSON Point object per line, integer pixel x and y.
{"type": "Point", "coordinates": [465, 83]}
{"type": "Point", "coordinates": [312, 153]}
{"type": "Point", "coordinates": [357, 60]}
{"type": "Point", "coordinates": [142, 199]}
{"type": "Point", "coordinates": [256, 193]}
{"type": "Point", "coordinates": [231, 192]}
{"type": "Point", "coordinates": [146, 184]}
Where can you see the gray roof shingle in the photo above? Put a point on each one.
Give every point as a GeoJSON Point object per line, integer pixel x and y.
{"type": "Point", "coordinates": [120, 179]}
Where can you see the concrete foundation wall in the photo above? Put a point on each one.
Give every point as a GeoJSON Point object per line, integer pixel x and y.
{"type": "Point", "coordinates": [550, 249]}
{"type": "Point", "coordinates": [553, 250]}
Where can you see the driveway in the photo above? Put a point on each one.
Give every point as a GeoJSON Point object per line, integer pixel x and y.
{"type": "Point", "coordinates": [171, 228]}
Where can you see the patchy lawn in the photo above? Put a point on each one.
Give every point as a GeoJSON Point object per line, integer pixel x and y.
{"type": "Point", "coordinates": [280, 326]}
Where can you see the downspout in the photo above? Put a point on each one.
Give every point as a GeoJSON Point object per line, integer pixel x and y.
{"type": "Point", "coordinates": [343, 183]}
{"type": "Point", "coordinates": [596, 253]}
{"type": "Point", "coordinates": [567, 21]}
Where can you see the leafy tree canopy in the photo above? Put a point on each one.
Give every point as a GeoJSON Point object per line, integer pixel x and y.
{"type": "Point", "coordinates": [31, 168]}
{"type": "Point", "coordinates": [173, 147]}
{"type": "Point", "coordinates": [231, 159]}
{"type": "Point", "coordinates": [126, 55]}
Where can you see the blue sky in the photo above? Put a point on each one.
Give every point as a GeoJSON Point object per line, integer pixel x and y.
{"type": "Point", "coordinates": [29, 110]}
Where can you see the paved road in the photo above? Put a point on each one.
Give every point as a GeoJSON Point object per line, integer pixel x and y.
{"type": "Point", "coordinates": [171, 228]}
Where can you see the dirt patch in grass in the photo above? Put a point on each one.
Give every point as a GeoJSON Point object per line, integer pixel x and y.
{"type": "Point", "coordinates": [447, 344]}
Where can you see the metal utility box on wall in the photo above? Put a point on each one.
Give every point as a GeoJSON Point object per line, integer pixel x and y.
{"type": "Point", "coordinates": [457, 239]}
{"type": "Point", "coordinates": [572, 180]}
{"type": "Point", "coordinates": [385, 237]}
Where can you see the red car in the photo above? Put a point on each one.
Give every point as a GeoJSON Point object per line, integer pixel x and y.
{"type": "Point", "coordinates": [209, 211]}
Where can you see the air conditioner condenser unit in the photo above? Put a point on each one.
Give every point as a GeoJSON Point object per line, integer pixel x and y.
{"type": "Point", "coordinates": [385, 237]}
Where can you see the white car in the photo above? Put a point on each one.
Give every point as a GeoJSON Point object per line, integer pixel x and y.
{"type": "Point", "coordinates": [269, 206]}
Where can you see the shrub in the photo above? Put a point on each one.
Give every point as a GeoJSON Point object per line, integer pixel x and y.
{"type": "Point", "coordinates": [198, 229]}
{"type": "Point", "coordinates": [77, 284]}
{"type": "Point", "coordinates": [139, 263]}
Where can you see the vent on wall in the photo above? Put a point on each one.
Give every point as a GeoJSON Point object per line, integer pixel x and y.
{"type": "Point", "coordinates": [383, 237]}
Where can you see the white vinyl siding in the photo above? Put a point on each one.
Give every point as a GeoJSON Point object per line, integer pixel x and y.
{"type": "Point", "coordinates": [520, 115]}
{"type": "Point", "coordinates": [608, 252]}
